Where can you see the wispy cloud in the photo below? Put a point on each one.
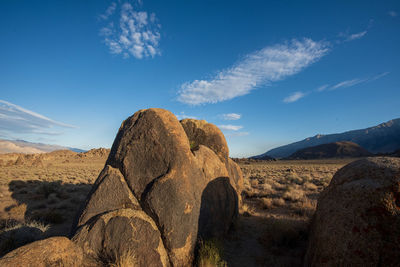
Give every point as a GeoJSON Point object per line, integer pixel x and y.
{"type": "Point", "coordinates": [270, 64]}
{"type": "Point", "coordinates": [392, 13]}
{"type": "Point", "coordinates": [347, 83]}
{"type": "Point", "coordinates": [356, 36]}
{"type": "Point", "coordinates": [353, 82]}
{"type": "Point", "coordinates": [17, 120]}
{"type": "Point", "coordinates": [182, 116]}
{"type": "Point", "coordinates": [376, 77]}
{"type": "Point", "coordinates": [347, 37]}
{"type": "Point", "coordinates": [230, 127]}
{"type": "Point", "coordinates": [230, 116]}
{"type": "Point", "coordinates": [322, 88]}
{"type": "Point", "coordinates": [294, 97]}
{"type": "Point", "coordinates": [130, 32]}
{"type": "Point", "coordinates": [109, 11]}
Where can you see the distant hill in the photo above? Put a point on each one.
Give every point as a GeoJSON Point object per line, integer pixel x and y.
{"type": "Point", "coordinates": [21, 146]}
{"type": "Point", "coordinates": [342, 149]}
{"type": "Point", "coordinates": [383, 138]}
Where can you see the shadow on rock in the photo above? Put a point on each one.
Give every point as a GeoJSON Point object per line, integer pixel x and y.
{"type": "Point", "coordinates": [219, 208]}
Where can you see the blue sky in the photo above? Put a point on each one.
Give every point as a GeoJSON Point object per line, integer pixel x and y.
{"type": "Point", "coordinates": [267, 72]}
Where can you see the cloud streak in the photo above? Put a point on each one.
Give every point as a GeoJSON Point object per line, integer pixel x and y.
{"type": "Point", "coordinates": [356, 36]}
{"type": "Point", "coordinates": [347, 83]}
{"type": "Point", "coordinates": [130, 32]}
{"type": "Point", "coordinates": [347, 37]}
{"type": "Point", "coordinates": [344, 84]}
{"type": "Point", "coordinates": [322, 88]}
{"type": "Point", "coordinates": [270, 64]}
{"type": "Point", "coordinates": [182, 116]}
{"type": "Point", "coordinates": [17, 120]}
{"type": "Point", "coordinates": [353, 82]}
{"type": "Point", "coordinates": [294, 97]}
{"type": "Point", "coordinates": [229, 127]}
{"type": "Point", "coordinates": [230, 116]}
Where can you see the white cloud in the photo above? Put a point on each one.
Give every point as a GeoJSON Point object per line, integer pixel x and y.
{"type": "Point", "coordinates": [347, 83]}
{"type": "Point", "coordinates": [356, 36]}
{"type": "Point", "coordinates": [16, 120]}
{"type": "Point", "coordinates": [270, 64]}
{"type": "Point", "coordinates": [378, 76]}
{"type": "Point", "coordinates": [350, 83]}
{"type": "Point", "coordinates": [322, 88]}
{"type": "Point", "coordinates": [293, 97]}
{"type": "Point", "coordinates": [230, 116]}
{"type": "Point", "coordinates": [130, 32]}
{"type": "Point", "coordinates": [109, 11]}
{"type": "Point", "coordinates": [347, 37]}
{"type": "Point", "coordinates": [392, 13]}
{"type": "Point", "coordinates": [182, 116]}
{"type": "Point", "coordinates": [230, 127]}
{"type": "Point", "coordinates": [356, 81]}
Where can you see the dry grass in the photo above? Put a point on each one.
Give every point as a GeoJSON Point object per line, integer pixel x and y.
{"type": "Point", "coordinates": [48, 188]}
{"type": "Point", "coordinates": [279, 200]}
{"type": "Point", "coordinates": [126, 259]}
{"type": "Point", "coordinates": [210, 254]}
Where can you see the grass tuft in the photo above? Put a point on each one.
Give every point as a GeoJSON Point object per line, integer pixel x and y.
{"type": "Point", "coordinates": [209, 254]}
{"type": "Point", "coordinates": [114, 259]}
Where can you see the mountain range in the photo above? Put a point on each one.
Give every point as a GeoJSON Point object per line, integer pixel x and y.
{"type": "Point", "coordinates": [343, 149]}
{"type": "Point", "coordinates": [382, 138]}
{"type": "Point", "coordinates": [21, 146]}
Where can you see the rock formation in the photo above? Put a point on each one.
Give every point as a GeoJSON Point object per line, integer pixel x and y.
{"type": "Point", "coordinates": [54, 251]}
{"type": "Point", "coordinates": [357, 221]}
{"type": "Point", "coordinates": [165, 184]}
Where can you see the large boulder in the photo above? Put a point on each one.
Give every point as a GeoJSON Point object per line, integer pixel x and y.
{"type": "Point", "coordinates": [357, 221]}
{"type": "Point", "coordinates": [152, 170]}
{"type": "Point", "coordinates": [117, 232]}
{"type": "Point", "coordinates": [200, 132]}
{"type": "Point", "coordinates": [54, 251]}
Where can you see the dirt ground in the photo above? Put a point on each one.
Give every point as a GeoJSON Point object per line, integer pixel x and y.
{"type": "Point", "coordinates": [45, 191]}
{"type": "Point", "coordinates": [279, 200]}
{"type": "Point", "coordinates": [46, 188]}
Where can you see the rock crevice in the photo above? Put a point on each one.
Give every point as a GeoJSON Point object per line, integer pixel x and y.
{"type": "Point", "coordinates": [153, 178]}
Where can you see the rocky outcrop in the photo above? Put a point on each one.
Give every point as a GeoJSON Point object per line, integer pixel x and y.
{"type": "Point", "coordinates": [357, 221]}
{"type": "Point", "coordinates": [203, 133]}
{"type": "Point", "coordinates": [160, 191]}
{"type": "Point", "coordinates": [54, 251]}
{"type": "Point", "coordinates": [116, 232]}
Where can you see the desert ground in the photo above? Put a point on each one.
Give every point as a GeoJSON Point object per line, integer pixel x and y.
{"type": "Point", "coordinates": [41, 194]}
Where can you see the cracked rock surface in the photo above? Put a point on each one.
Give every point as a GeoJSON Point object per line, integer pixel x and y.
{"type": "Point", "coordinates": [158, 193]}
